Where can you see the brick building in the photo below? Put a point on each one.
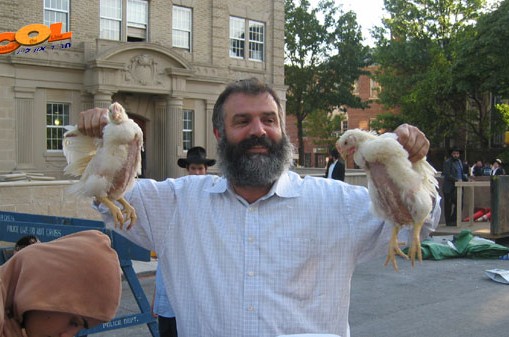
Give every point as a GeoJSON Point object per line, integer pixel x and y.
{"type": "Point", "coordinates": [164, 61]}
{"type": "Point", "coordinates": [367, 89]}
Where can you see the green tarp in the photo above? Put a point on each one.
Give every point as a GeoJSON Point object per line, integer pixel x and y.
{"type": "Point", "coordinates": [466, 244]}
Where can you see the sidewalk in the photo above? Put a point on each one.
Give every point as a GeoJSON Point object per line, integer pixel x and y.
{"type": "Point", "coordinates": [145, 268]}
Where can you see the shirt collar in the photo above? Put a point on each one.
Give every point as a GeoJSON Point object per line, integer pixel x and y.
{"type": "Point", "coordinates": [287, 186]}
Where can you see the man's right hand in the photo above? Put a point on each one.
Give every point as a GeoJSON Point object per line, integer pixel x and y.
{"type": "Point", "coordinates": [92, 122]}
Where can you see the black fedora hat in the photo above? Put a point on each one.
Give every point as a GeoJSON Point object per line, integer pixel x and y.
{"type": "Point", "coordinates": [455, 148]}
{"type": "Point", "coordinates": [196, 155]}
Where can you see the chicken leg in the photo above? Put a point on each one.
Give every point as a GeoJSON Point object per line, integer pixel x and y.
{"type": "Point", "coordinates": [118, 216]}
{"type": "Point", "coordinates": [394, 249]}
{"type": "Point", "coordinates": [129, 211]}
{"type": "Point", "coordinates": [415, 246]}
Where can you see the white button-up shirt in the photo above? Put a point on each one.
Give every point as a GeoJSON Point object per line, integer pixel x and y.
{"type": "Point", "coordinates": [281, 265]}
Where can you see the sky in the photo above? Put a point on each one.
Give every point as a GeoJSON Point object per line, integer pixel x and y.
{"type": "Point", "coordinates": [369, 14]}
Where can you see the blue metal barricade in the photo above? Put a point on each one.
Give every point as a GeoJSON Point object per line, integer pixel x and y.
{"type": "Point", "coordinates": [15, 225]}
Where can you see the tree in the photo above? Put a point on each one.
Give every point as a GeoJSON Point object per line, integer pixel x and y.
{"type": "Point", "coordinates": [323, 59]}
{"type": "Point", "coordinates": [416, 50]}
{"type": "Point", "coordinates": [323, 128]}
{"type": "Point", "coordinates": [482, 71]}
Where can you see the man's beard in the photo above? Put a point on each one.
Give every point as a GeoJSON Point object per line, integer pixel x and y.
{"type": "Point", "coordinates": [243, 168]}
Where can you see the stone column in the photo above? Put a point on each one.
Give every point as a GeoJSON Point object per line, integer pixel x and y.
{"type": "Point", "coordinates": [159, 140]}
{"type": "Point", "coordinates": [211, 139]}
{"type": "Point", "coordinates": [87, 101]}
{"type": "Point", "coordinates": [24, 119]}
{"type": "Point", "coordinates": [174, 135]}
{"type": "Point", "coordinates": [102, 99]}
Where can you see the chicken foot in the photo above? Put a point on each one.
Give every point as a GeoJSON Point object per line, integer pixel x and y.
{"type": "Point", "coordinates": [394, 249]}
{"type": "Point", "coordinates": [118, 214]}
{"type": "Point", "coordinates": [118, 217]}
{"type": "Point", "coordinates": [129, 211]}
{"type": "Point", "coordinates": [415, 246]}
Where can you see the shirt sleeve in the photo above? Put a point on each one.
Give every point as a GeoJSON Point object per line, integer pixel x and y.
{"type": "Point", "coordinates": [153, 204]}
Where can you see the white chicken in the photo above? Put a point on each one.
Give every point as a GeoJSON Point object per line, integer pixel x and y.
{"type": "Point", "coordinates": [401, 192]}
{"type": "Point", "coordinates": [109, 165]}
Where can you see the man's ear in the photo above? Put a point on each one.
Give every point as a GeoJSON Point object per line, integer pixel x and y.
{"type": "Point", "coordinates": [217, 134]}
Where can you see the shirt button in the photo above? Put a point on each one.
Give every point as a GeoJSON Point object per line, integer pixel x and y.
{"type": "Point", "coordinates": [250, 238]}
{"type": "Point", "coordinates": [250, 308]}
{"type": "Point", "coordinates": [251, 273]}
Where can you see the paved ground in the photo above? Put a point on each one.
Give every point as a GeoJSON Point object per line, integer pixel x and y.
{"type": "Point", "coordinates": [449, 298]}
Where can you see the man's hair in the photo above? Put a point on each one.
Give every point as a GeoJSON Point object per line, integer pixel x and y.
{"type": "Point", "coordinates": [25, 241]}
{"type": "Point", "coordinates": [250, 86]}
{"type": "Point", "coordinates": [334, 153]}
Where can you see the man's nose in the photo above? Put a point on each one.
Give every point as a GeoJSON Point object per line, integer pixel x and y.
{"type": "Point", "coordinates": [257, 128]}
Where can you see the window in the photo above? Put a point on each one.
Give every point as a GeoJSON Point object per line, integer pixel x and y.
{"type": "Point", "coordinates": [374, 88]}
{"type": "Point", "coordinates": [355, 88]}
{"type": "Point", "coordinates": [256, 36]}
{"type": "Point", "coordinates": [133, 27]}
{"type": "Point", "coordinates": [182, 27]}
{"type": "Point", "coordinates": [137, 20]}
{"type": "Point", "coordinates": [255, 40]}
{"type": "Point", "coordinates": [57, 11]}
{"type": "Point", "coordinates": [344, 125]}
{"type": "Point", "coordinates": [307, 159]}
{"type": "Point", "coordinates": [57, 115]}
{"type": "Point", "coordinates": [237, 35]}
{"type": "Point", "coordinates": [187, 131]}
{"type": "Point", "coordinates": [111, 19]}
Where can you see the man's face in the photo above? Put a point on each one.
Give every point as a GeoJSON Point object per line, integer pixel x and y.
{"type": "Point", "coordinates": [247, 116]}
{"type": "Point", "coordinates": [197, 169]}
{"type": "Point", "coordinates": [455, 154]}
{"type": "Point", "coordinates": [253, 151]}
{"type": "Point", "coordinates": [40, 323]}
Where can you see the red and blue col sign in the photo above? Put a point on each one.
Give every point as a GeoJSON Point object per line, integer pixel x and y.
{"type": "Point", "coordinates": [31, 35]}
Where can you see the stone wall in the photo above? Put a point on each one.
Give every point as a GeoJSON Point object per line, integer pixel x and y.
{"type": "Point", "coordinates": [45, 198]}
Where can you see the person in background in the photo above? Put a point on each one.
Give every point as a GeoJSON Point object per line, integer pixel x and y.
{"type": "Point", "coordinates": [496, 168]}
{"type": "Point", "coordinates": [335, 166]}
{"type": "Point", "coordinates": [486, 171]}
{"type": "Point", "coordinates": [478, 169]}
{"type": "Point", "coordinates": [259, 250]}
{"type": "Point", "coordinates": [25, 241]}
{"type": "Point", "coordinates": [60, 287]}
{"type": "Point", "coordinates": [452, 172]}
{"type": "Point", "coordinates": [466, 169]}
{"type": "Point", "coordinates": [196, 163]}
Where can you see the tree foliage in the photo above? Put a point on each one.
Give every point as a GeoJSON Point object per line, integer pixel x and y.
{"type": "Point", "coordinates": [323, 128]}
{"type": "Point", "coordinates": [417, 48]}
{"type": "Point", "coordinates": [324, 56]}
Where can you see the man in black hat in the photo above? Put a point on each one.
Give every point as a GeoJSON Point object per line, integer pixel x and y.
{"type": "Point", "coordinates": [453, 172]}
{"type": "Point", "coordinates": [496, 168]}
{"type": "Point", "coordinates": [196, 161]}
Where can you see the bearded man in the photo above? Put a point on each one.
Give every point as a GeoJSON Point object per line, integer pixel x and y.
{"type": "Point", "coordinates": [259, 251]}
